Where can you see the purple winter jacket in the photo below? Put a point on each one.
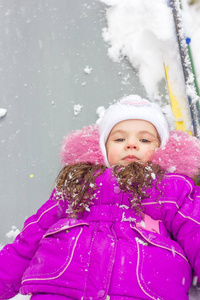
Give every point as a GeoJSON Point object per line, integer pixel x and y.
{"type": "Point", "coordinates": [109, 252]}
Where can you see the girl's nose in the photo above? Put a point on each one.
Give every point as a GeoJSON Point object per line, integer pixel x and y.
{"type": "Point", "coordinates": [132, 145]}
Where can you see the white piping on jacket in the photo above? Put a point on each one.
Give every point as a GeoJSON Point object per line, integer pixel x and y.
{"type": "Point", "coordinates": [137, 275]}
{"type": "Point", "coordinates": [39, 217]}
{"type": "Point", "coordinates": [160, 246]}
{"type": "Point", "coordinates": [51, 278]}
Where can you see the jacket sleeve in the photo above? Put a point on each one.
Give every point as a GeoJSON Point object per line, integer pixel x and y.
{"type": "Point", "coordinates": [15, 257]}
{"type": "Point", "coordinates": [185, 226]}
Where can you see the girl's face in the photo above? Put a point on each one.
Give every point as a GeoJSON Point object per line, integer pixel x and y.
{"type": "Point", "coordinates": [131, 140]}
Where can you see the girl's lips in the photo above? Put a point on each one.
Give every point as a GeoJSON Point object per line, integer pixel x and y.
{"type": "Point", "coordinates": [131, 158]}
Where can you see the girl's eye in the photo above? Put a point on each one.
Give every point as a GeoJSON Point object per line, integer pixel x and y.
{"type": "Point", "coordinates": [120, 140]}
{"type": "Point", "coordinates": [144, 141]}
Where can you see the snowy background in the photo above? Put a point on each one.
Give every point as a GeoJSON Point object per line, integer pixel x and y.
{"type": "Point", "coordinates": [59, 64]}
{"type": "Point", "coordinates": [54, 74]}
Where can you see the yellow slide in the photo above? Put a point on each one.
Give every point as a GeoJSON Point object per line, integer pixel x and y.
{"type": "Point", "coordinates": [179, 120]}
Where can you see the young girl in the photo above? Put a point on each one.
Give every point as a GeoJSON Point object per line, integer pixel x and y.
{"type": "Point", "coordinates": [120, 230]}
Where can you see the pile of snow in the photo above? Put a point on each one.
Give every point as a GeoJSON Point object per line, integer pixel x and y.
{"type": "Point", "coordinates": [13, 232]}
{"type": "Point", "coordinates": [77, 109]}
{"type": "Point", "coordinates": [3, 112]}
{"type": "Point", "coordinates": [143, 32]}
{"type": "Point", "coordinates": [88, 70]}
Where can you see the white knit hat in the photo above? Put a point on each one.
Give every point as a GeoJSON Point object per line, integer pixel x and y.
{"type": "Point", "coordinates": [132, 107]}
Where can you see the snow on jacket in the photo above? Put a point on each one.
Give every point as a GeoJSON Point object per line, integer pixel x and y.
{"type": "Point", "coordinates": [109, 252]}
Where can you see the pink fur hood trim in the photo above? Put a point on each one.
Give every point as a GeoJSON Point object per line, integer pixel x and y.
{"type": "Point", "coordinates": [180, 155]}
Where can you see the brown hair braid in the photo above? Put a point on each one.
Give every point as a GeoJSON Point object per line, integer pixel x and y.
{"type": "Point", "coordinates": [76, 183]}
{"type": "Point", "coordinates": [136, 178]}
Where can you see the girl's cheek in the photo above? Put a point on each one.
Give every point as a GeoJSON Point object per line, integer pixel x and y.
{"type": "Point", "coordinates": [109, 156]}
{"type": "Point", "coordinates": [149, 155]}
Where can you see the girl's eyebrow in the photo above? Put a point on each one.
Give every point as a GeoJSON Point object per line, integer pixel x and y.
{"type": "Point", "coordinates": [139, 132]}
{"type": "Point", "coordinates": [146, 132]}
{"type": "Point", "coordinates": [117, 131]}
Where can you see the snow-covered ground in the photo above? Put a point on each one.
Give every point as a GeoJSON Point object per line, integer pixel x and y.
{"type": "Point", "coordinates": [142, 31]}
